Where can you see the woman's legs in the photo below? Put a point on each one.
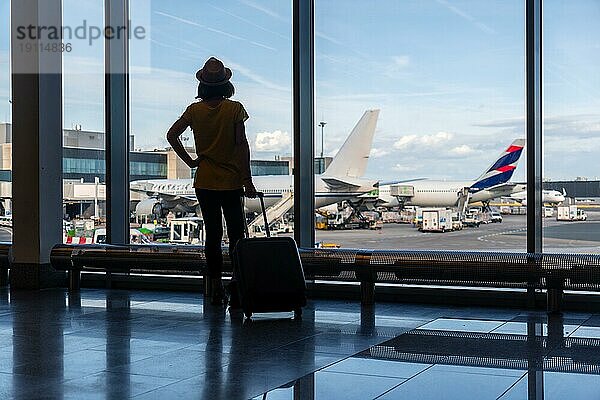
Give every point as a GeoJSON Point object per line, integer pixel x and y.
{"type": "Point", "coordinates": [234, 216]}
{"type": "Point", "coordinates": [211, 214]}
{"type": "Point", "coordinates": [211, 203]}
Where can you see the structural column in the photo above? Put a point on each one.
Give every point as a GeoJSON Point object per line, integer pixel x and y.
{"type": "Point", "coordinates": [304, 123]}
{"type": "Point", "coordinates": [37, 142]}
{"type": "Point", "coordinates": [533, 79]}
{"type": "Point", "coordinates": [117, 122]}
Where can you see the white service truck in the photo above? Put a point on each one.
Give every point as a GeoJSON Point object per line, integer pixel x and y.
{"type": "Point", "coordinates": [436, 220]}
{"type": "Point", "coordinates": [570, 213]}
{"type": "Point", "coordinates": [188, 230]}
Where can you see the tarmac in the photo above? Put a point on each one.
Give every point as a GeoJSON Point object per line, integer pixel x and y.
{"type": "Point", "coordinates": [509, 235]}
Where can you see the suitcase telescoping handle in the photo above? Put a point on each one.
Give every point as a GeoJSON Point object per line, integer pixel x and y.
{"type": "Point", "coordinates": [260, 196]}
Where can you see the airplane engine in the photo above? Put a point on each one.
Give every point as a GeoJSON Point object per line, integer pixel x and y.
{"type": "Point", "coordinates": [149, 207]}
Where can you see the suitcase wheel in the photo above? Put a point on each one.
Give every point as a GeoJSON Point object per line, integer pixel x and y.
{"type": "Point", "coordinates": [298, 313]}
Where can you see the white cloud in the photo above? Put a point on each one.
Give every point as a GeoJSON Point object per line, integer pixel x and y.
{"type": "Point", "coordinates": [566, 125]}
{"type": "Point", "coordinates": [401, 61]}
{"type": "Point", "coordinates": [422, 141]}
{"type": "Point", "coordinates": [515, 122]}
{"type": "Point", "coordinates": [404, 168]}
{"type": "Point", "coordinates": [462, 150]}
{"type": "Point", "coordinates": [393, 69]}
{"type": "Point", "coordinates": [436, 139]}
{"type": "Point", "coordinates": [405, 141]}
{"type": "Point", "coordinates": [272, 141]}
{"type": "Point", "coordinates": [376, 153]}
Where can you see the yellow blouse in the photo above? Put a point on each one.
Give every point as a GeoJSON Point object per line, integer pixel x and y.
{"type": "Point", "coordinates": [214, 134]}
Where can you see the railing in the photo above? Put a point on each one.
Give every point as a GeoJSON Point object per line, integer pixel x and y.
{"type": "Point", "coordinates": [554, 272]}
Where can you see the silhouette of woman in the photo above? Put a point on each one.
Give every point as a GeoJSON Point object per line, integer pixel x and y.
{"type": "Point", "coordinates": [222, 164]}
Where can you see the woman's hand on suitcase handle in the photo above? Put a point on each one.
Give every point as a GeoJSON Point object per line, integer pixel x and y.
{"type": "Point", "coordinates": [250, 190]}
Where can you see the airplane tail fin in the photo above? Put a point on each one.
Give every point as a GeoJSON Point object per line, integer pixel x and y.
{"type": "Point", "coordinates": [351, 160]}
{"type": "Point", "coordinates": [503, 167]}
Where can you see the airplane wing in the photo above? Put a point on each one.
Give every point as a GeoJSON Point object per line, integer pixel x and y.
{"type": "Point", "coordinates": [336, 183]}
{"type": "Point", "coordinates": [508, 187]}
{"type": "Point", "coordinates": [165, 196]}
{"type": "Point", "coordinates": [153, 193]}
{"type": "Point", "coordinates": [403, 181]}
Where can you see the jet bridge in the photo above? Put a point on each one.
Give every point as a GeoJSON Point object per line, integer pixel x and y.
{"type": "Point", "coordinates": [274, 212]}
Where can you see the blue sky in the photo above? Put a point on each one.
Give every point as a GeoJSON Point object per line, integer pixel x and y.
{"type": "Point", "coordinates": [447, 75]}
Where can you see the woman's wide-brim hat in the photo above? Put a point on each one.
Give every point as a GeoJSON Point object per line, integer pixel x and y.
{"type": "Point", "coordinates": [214, 73]}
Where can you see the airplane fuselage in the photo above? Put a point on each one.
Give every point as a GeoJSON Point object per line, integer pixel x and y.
{"type": "Point", "coordinates": [430, 193]}
{"type": "Point", "coordinates": [426, 193]}
{"type": "Point", "coordinates": [548, 197]}
{"type": "Point", "coordinates": [274, 187]}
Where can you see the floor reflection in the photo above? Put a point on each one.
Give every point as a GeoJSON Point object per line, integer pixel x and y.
{"type": "Point", "coordinates": [37, 343]}
{"type": "Point", "coordinates": [538, 362]}
{"type": "Point", "coordinates": [112, 344]}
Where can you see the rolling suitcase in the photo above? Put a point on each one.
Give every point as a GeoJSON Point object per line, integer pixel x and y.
{"type": "Point", "coordinates": [268, 273]}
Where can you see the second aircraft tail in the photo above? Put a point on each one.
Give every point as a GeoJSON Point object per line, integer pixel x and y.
{"type": "Point", "coordinates": [503, 168]}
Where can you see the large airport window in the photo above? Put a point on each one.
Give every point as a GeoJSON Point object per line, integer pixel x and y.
{"type": "Point", "coordinates": [427, 100]}
{"type": "Point", "coordinates": [5, 125]}
{"type": "Point", "coordinates": [84, 169]}
{"type": "Point", "coordinates": [571, 188]}
{"type": "Point", "coordinates": [254, 40]}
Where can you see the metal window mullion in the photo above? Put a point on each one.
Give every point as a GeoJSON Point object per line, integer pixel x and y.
{"type": "Point", "coordinates": [533, 79]}
{"type": "Point", "coordinates": [117, 124]}
{"type": "Point", "coordinates": [303, 77]}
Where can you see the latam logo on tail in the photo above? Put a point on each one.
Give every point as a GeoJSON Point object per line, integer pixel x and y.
{"type": "Point", "coordinates": [502, 169]}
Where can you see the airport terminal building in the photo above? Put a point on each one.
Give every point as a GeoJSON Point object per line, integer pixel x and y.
{"type": "Point", "coordinates": [502, 309]}
{"type": "Point", "coordinates": [84, 162]}
{"type": "Point", "coordinates": [578, 188]}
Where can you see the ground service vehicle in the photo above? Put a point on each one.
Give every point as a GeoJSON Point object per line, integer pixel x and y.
{"type": "Point", "coordinates": [570, 213]}
{"type": "Point", "coordinates": [457, 224]}
{"type": "Point", "coordinates": [471, 219]}
{"type": "Point", "coordinates": [187, 230]}
{"type": "Point", "coordinates": [495, 216]}
{"type": "Point", "coordinates": [436, 220]}
{"type": "Point", "coordinates": [135, 236]}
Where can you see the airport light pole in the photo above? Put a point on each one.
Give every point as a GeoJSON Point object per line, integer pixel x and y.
{"type": "Point", "coordinates": [322, 125]}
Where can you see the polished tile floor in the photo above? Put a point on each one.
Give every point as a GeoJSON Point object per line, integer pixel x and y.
{"type": "Point", "coordinates": [103, 344]}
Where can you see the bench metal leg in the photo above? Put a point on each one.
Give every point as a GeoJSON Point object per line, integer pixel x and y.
{"type": "Point", "coordinates": [367, 293]}
{"type": "Point", "coordinates": [367, 320]}
{"type": "Point", "coordinates": [554, 300]}
{"type": "Point", "coordinates": [74, 280]}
